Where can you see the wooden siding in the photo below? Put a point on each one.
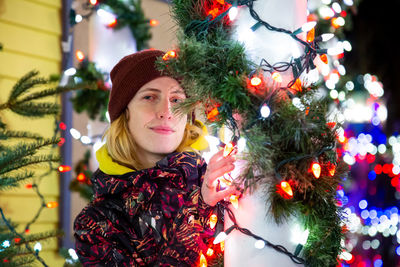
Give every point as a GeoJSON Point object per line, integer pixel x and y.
{"type": "Point", "coordinates": [30, 31]}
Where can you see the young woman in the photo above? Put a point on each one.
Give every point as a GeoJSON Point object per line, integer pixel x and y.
{"type": "Point", "coordinates": [153, 192]}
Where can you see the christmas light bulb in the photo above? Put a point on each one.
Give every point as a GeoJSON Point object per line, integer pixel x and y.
{"type": "Point", "coordinates": [285, 186]}
{"type": "Point", "coordinates": [70, 72]}
{"type": "Point", "coordinates": [210, 252]}
{"type": "Point", "coordinates": [316, 169]}
{"type": "Point", "coordinates": [332, 169]}
{"type": "Point", "coordinates": [64, 168]}
{"type": "Point", "coordinates": [234, 201]}
{"type": "Point", "coordinates": [311, 35]}
{"type": "Point", "coordinates": [222, 246]}
{"type": "Point", "coordinates": [73, 254]}
{"type": "Point", "coordinates": [276, 76]}
{"type": "Point", "coordinates": [255, 81]}
{"type": "Point", "coordinates": [78, 18]}
{"type": "Point", "coordinates": [308, 26]}
{"type": "Point", "coordinates": [75, 133]}
{"type": "Point", "coordinates": [265, 111]}
{"type": "Point", "coordinates": [169, 54]}
{"type": "Point", "coordinates": [203, 261]}
{"type": "Point", "coordinates": [213, 220]}
{"type": "Point", "coordinates": [219, 238]}
{"type": "Point", "coordinates": [228, 148]}
{"type": "Point", "coordinates": [338, 22]}
{"type": "Point", "coordinates": [81, 177]}
{"type": "Point", "coordinates": [233, 11]}
{"type": "Point", "coordinates": [93, 2]}
{"type": "Point", "coordinates": [6, 244]}
{"type": "Point", "coordinates": [260, 244]}
{"type": "Point", "coordinates": [52, 204]}
{"type": "Point", "coordinates": [37, 247]}
{"type": "Point", "coordinates": [79, 55]}
{"type": "Point", "coordinates": [324, 58]}
{"type": "Point", "coordinates": [212, 114]}
{"type": "Point", "coordinates": [327, 36]}
{"type": "Point", "coordinates": [154, 22]}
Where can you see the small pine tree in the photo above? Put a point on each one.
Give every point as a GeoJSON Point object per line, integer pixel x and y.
{"type": "Point", "coordinates": [17, 158]}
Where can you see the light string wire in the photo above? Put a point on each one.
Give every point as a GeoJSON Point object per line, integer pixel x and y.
{"type": "Point", "coordinates": [246, 231]}
{"type": "Point", "coordinates": [12, 229]}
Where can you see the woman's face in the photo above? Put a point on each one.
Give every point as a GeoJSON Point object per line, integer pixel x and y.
{"type": "Point", "coordinates": [156, 130]}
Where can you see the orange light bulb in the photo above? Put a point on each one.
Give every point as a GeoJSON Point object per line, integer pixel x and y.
{"type": "Point", "coordinates": [64, 168]}
{"type": "Point", "coordinates": [234, 201]}
{"type": "Point", "coordinates": [154, 22]}
{"type": "Point", "coordinates": [52, 204]}
{"type": "Point", "coordinates": [285, 186]}
{"type": "Point", "coordinates": [276, 76]}
{"type": "Point", "coordinates": [332, 169]}
{"type": "Point", "coordinates": [203, 261]}
{"type": "Point", "coordinates": [213, 220]}
{"type": "Point", "coordinates": [212, 114]}
{"type": "Point", "coordinates": [93, 2]}
{"type": "Point", "coordinates": [210, 252]}
{"type": "Point", "coordinates": [255, 81]}
{"type": "Point", "coordinates": [311, 35]}
{"type": "Point", "coordinates": [222, 246]}
{"type": "Point", "coordinates": [169, 54]}
{"type": "Point", "coordinates": [81, 177]}
{"type": "Point", "coordinates": [112, 23]}
{"type": "Point", "coordinates": [316, 169]}
{"type": "Point", "coordinates": [79, 55]}
{"type": "Point", "coordinates": [324, 58]}
{"type": "Point", "coordinates": [228, 148]}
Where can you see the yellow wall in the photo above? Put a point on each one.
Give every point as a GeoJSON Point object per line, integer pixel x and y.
{"type": "Point", "coordinates": [30, 31]}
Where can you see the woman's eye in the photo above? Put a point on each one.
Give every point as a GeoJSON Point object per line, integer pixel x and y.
{"type": "Point", "coordinates": [177, 100]}
{"type": "Point", "coordinates": [148, 97]}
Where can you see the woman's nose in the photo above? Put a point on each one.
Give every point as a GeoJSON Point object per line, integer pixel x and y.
{"type": "Point", "coordinates": [164, 110]}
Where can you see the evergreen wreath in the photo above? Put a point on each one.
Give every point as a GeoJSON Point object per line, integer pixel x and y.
{"type": "Point", "coordinates": [282, 146]}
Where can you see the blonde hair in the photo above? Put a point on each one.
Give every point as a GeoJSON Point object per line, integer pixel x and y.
{"type": "Point", "coordinates": [122, 147]}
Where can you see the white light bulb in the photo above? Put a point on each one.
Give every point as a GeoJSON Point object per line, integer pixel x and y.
{"type": "Point", "coordinates": [86, 140]}
{"type": "Point", "coordinates": [78, 18]}
{"type": "Point", "coordinates": [6, 244]}
{"type": "Point", "coordinates": [37, 247]}
{"type": "Point", "coordinates": [265, 111]}
{"type": "Point", "coordinates": [327, 36]}
{"type": "Point", "coordinates": [72, 253]}
{"type": "Point", "coordinates": [70, 72]}
{"type": "Point", "coordinates": [233, 13]}
{"type": "Point", "coordinates": [336, 7]}
{"type": "Point", "coordinates": [219, 238]}
{"type": "Point", "coordinates": [260, 244]}
{"type": "Point", "coordinates": [308, 26]}
{"type": "Point", "coordinates": [75, 133]}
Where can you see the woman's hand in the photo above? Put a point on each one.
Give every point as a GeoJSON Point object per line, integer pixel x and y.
{"type": "Point", "coordinates": [217, 167]}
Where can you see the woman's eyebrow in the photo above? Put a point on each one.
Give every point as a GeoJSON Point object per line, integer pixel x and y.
{"type": "Point", "coordinates": [150, 89]}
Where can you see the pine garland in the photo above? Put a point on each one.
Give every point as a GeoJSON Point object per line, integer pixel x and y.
{"type": "Point", "coordinates": [215, 73]}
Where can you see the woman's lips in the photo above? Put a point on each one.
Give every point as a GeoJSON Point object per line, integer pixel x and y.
{"type": "Point", "coordinates": [162, 130]}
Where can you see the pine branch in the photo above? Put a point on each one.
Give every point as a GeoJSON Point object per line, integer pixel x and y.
{"type": "Point", "coordinates": [20, 151]}
{"type": "Point", "coordinates": [36, 109]}
{"type": "Point", "coordinates": [8, 181]}
{"type": "Point", "coordinates": [30, 160]}
{"type": "Point", "coordinates": [6, 134]}
{"type": "Point", "coordinates": [26, 83]}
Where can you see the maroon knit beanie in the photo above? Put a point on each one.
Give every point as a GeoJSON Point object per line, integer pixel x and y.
{"type": "Point", "coordinates": [128, 76]}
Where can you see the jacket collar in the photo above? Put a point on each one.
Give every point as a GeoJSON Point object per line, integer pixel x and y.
{"type": "Point", "coordinates": [180, 169]}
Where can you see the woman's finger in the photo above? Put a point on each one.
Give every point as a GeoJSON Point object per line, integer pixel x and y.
{"type": "Point", "coordinates": [214, 175]}
{"type": "Point", "coordinates": [231, 190]}
{"type": "Point", "coordinates": [220, 163]}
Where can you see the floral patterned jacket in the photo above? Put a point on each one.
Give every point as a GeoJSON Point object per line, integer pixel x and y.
{"type": "Point", "coordinates": [151, 217]}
